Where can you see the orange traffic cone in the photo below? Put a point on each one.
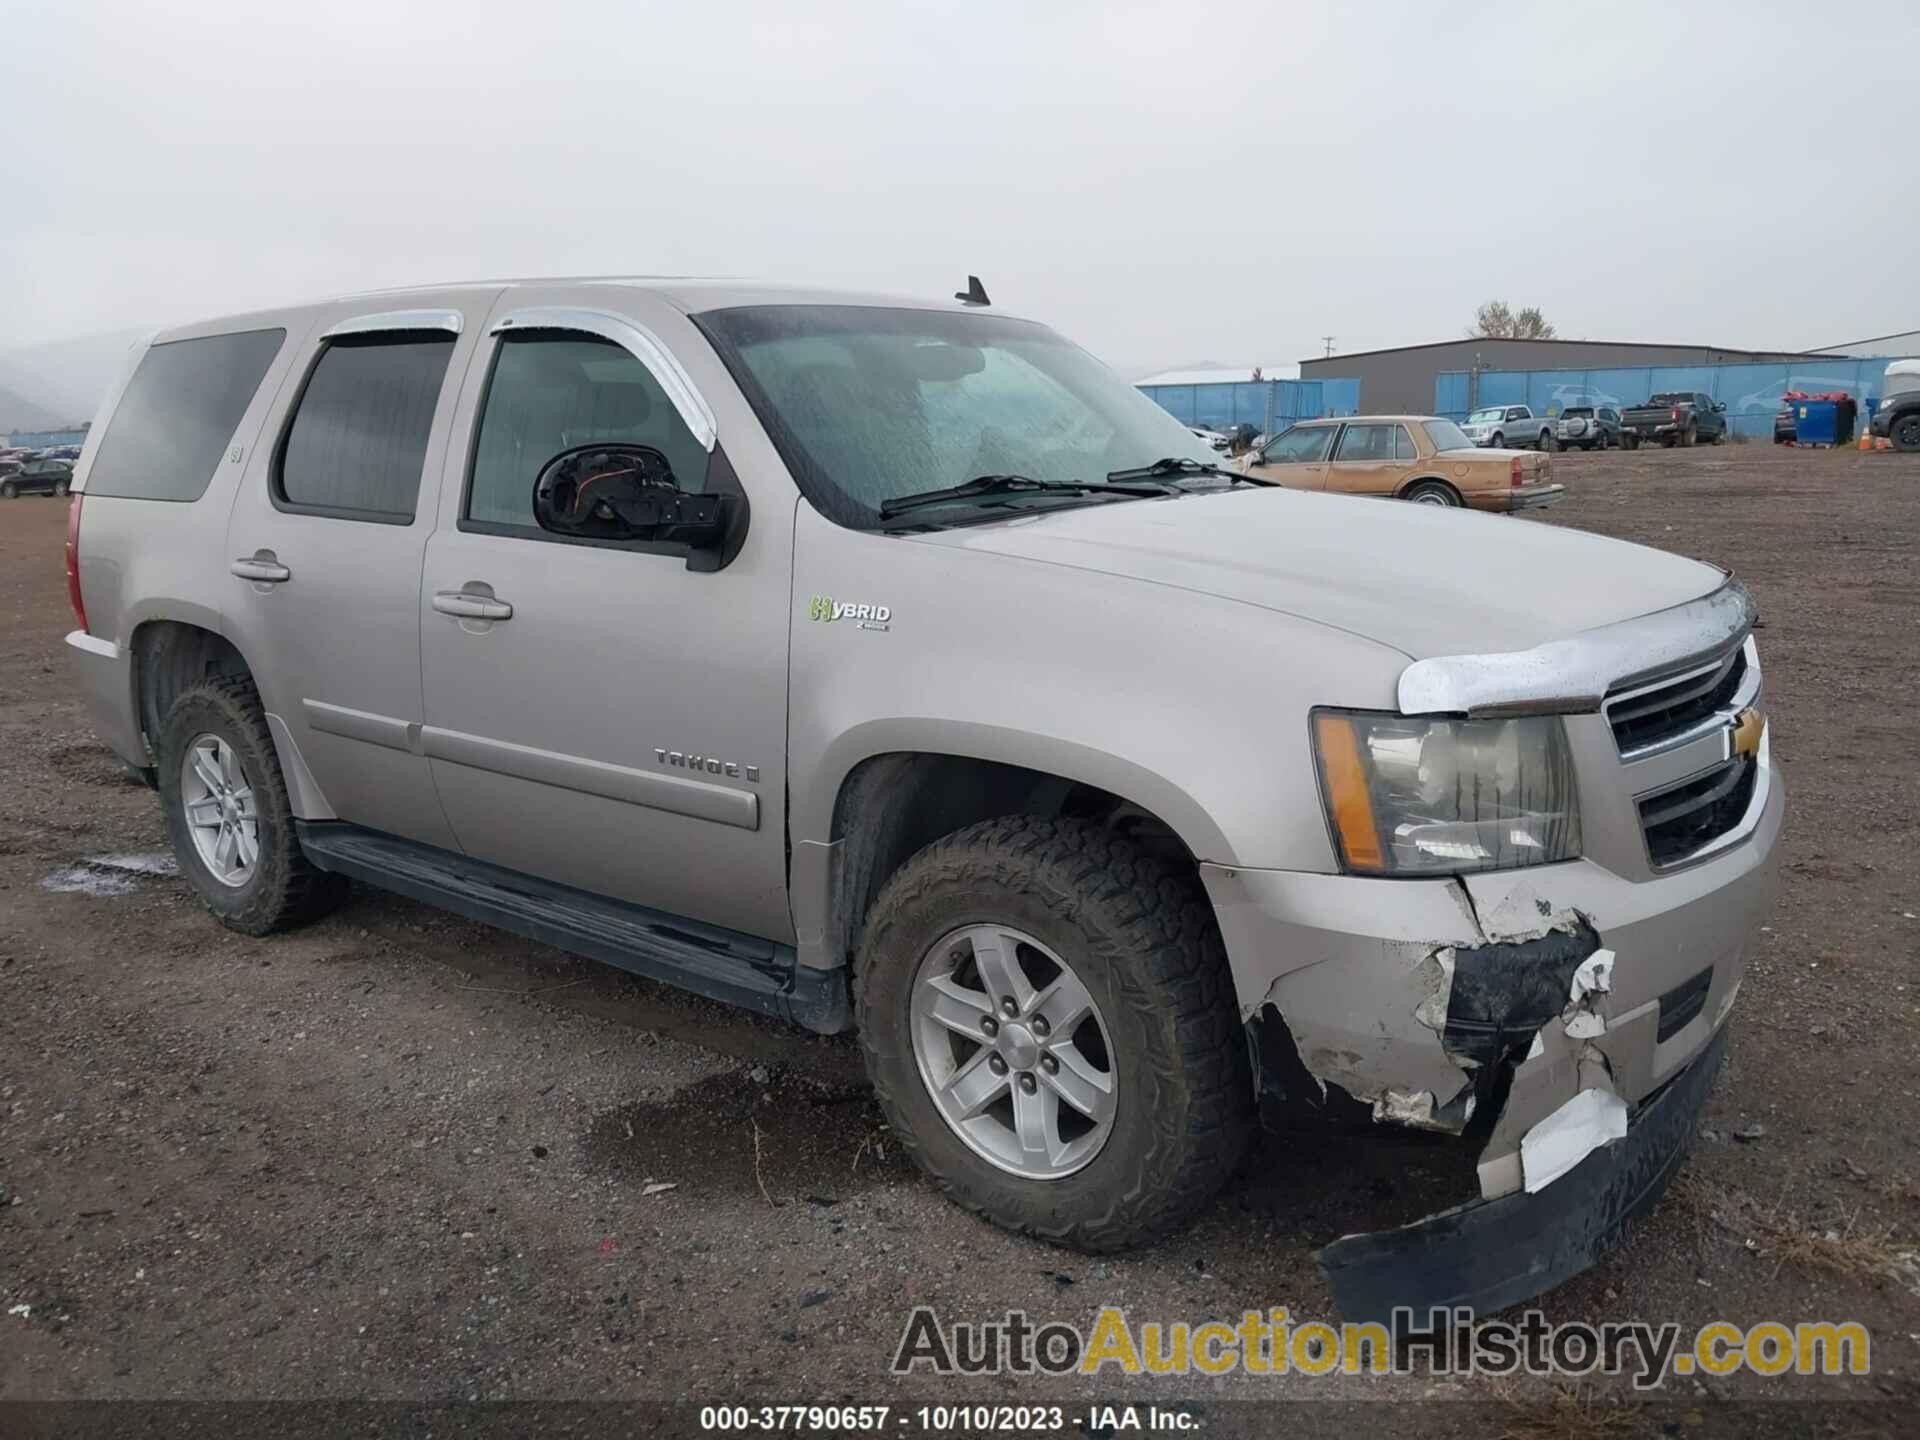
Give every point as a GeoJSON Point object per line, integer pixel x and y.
{"type": "Point", "coordinates": [1866, 438]}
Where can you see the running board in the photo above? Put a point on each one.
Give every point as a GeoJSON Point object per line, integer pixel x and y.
{"type": "Point", "coordinates": [706, 959]}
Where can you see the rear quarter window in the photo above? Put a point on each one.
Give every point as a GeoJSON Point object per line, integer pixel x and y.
{"type": "Point", "coordinates": [178, 414]}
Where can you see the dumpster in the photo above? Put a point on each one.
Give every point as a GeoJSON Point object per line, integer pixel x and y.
{"type": "Point", "coordinates": [1823, 419]}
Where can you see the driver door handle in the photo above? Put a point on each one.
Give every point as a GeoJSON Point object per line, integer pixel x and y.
{"type": "Point", "coordinates": [468, 606]}
{"type": "Point", "coordinates": [262, 567]}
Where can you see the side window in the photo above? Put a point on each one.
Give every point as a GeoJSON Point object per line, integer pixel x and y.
{"type": "Point", "coordinates": [551, 390]}
{"type": "Point", "coordinates": [1299, 446]}
{"type": "Point", "coordinates": [178, 414]}
{"type": "Point", "coordinates": [1367, 442]}
{"type": "Point", "coordinates": [1403, 445]}
{"type": "Point", "coordinates": [358, 437]}
{"type": "Point", "coordinates": [1517, 412]}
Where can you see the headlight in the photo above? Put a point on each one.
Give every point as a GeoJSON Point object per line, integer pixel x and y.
{"type": "Point", "coordinates": [1437, 797]}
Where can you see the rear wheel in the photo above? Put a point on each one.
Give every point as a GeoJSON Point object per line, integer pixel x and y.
{"type": "Point", "coordinates": [1631, 441]}
{"type": "Point", "coordinates": [1906, 432]}
{"type": "Point", "coordinates": [1434, 492]}
{"type": "Point", "coordinates": [1049, 1025]}
{"type": "Point", "coordinates": [1547, 442]}
{"type": "Point", "coordinates": [1690, 437]}
{"type": "Point", "coordinates": [8, 489]}
{"type": "Point", "coordinates": [228, 815]}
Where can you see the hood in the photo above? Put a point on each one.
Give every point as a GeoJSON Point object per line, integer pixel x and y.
{"type": "Point", "coordinates": [1424, 580]}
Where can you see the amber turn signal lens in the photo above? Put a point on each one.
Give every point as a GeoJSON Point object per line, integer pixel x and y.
{"type": "Point", "coordinates": [1347, 797]}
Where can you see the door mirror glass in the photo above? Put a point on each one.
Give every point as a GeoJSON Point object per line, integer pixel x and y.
{"type": "Point", "coordinates": [624, 492]}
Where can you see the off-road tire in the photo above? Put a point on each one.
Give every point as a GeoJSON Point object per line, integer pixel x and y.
{"type": "Point", "coordinates": [285, 888]}
{"type": "Point", "coordinates": [1433, 492]}
{"type": "Point", "coordinates": [1905, 433]}
{"type": "Point", "coordinates": [1689, 438]}
{"type": "Point", "coordinates": [1139, 933]}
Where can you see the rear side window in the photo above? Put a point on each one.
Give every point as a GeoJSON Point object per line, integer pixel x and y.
{"type": "Point", "coordinates": [178, 414]}
{"type": "Point", "coordinates": [359, 432]}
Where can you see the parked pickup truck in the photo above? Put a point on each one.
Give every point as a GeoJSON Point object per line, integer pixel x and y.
{"type": "Point", "coordinates": [1098, 787]}
{"type": "Point", "coordinates": [1679, 417]}
{"type": "Point", "coordinates": [1898, 416]}
{"type": "Point", "coordinates": [1510, 427]}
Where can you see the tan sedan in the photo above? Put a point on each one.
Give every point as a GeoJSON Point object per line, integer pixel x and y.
{"type": "Point", "coordinates": [1406, 457]}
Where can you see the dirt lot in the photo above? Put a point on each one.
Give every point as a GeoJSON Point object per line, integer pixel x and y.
{"type": "Point", "coordinates": [400, 1155]}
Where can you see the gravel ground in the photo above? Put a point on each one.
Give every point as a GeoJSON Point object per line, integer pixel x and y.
{"type": "Point", "coordinates": [403, 1156]}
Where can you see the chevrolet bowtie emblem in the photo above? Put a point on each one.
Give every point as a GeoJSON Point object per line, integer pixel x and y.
{"type": "Point", "coordinates": [1748, 726]}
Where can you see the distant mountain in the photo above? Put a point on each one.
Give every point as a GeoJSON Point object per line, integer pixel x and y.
{"type": "Point", "coordinates": [60, 382]}
{"type": "Point", "coordinates": [19, 413]}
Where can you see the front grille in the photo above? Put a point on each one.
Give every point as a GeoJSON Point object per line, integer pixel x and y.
{"type": "Point", "coordinates": [1680, 821]}
{"type": "Point", "coordinates": [1655, 716]}
{"type": "Point", "coordinates": [1680, 1004]}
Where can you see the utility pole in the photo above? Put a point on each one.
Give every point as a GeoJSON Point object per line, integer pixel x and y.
{"type": "Point", "coordinates": [1329, 340]}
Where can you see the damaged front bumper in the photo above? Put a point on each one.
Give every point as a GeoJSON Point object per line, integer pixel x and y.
{"type": "Point", "coordinates": [1489, 1254]}
{"type": "Point", "coordinates": [1504, 995]}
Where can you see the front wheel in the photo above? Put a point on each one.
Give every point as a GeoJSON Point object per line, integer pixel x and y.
{"type": "Point", "coordinates": [1497, 441]}
{"type": "Point", "coordinates": [8, 490]}
{"type": "Point", "coordinates": [1906, 432]}
{"type": "Point", "coordinates": [1049, 1025]}
{"type": "Point", "coordinates": [60, 488]}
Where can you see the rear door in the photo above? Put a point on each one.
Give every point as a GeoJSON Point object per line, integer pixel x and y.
{"type": "Point", "coordinates": [325, 546]}
{"type": "Point", "coordinates": [1366, 462]}
{"type": "Point", "coordinates": [1297, 458]}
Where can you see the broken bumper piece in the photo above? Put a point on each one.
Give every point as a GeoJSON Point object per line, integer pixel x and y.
{"type": "Point", "coordinates": [1491, 1254]}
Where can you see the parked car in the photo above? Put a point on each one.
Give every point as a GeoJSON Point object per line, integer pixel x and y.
{"type": "Point", "coordinates": [1898, 416]}
{"type": "Point", "coordinates": [1588, 427]}
{"type": "Point", "coordinates": [1406, 457]}
{"type": "Point", "coordinates": [1676, 417]}
{"type": "Point", "coordinates": [1073, 785]}
{"type": "Point", "coordinates": [1503, 427]}
{"type": "Point", "coordinates": [37, 477]}
{"type": "Point", "coordinates": [1784, 430]}
{"type": "Point", "coordinates": [1212, 439]}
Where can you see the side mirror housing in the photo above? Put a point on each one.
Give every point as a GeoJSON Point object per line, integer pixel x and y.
{"type": "Point", "coordinates": [624, 494]}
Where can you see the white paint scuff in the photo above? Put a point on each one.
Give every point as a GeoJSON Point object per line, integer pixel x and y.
{"type": "Point", "coordinates": [1561, 1141]}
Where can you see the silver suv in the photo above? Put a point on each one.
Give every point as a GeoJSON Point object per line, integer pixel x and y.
{"type": "Point", "coordinates": [868, 661]}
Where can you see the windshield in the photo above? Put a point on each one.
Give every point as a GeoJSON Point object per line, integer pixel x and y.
{"type": "Point", "coordinates": [1446, 435]}
{"type": "Point", "coordinates": [1486, 417]}
{"type": "Point", "coordinates": [869, 404]}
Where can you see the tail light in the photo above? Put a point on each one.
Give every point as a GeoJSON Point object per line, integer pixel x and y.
{"type": "Point", "coordinates": [73, 561]}
{"type": "Point", "coordinates": [1514, 473]}
{"type": "Point", "coordinates": [1676, 414]}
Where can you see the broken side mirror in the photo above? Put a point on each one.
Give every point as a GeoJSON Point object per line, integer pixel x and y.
{"type": "Point", "coordinates": [626, 493]}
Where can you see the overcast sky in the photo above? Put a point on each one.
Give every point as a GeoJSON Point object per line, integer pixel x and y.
{"type": "Point", "coordinates": [1167, 183]}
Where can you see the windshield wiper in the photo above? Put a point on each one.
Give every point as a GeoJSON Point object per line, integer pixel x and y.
{"type": "Point", "coordinates": [1172, 467]}
{"type": "Point", "coordinates": [982, 486]}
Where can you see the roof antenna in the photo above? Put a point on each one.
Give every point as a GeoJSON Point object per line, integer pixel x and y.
{"type": "Point", "coordinates": [974, 294]}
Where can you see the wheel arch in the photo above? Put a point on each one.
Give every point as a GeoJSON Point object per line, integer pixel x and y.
{"type": "Point", "coordinates": [1407, 489]}
{"type": "Point", "coordinates": [889, 804]}
{"type": "Point", "coordinates": [172, 654]}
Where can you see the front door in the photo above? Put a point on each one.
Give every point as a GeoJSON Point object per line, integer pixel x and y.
{"type": "Point", "coordinates": [1296, 458]}
{"type": "Point", "coordinates": [597, 713]}
{"type": "Point", "coordinates": [324, 547]}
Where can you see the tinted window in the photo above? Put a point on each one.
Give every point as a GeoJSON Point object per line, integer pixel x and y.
{"type": "Point", "coordinates": [1301, 446]}
{"type": "Point", "coordinates": [1576, 412]}
{"type": "Point", "coordinates": [359, 433]}
{"type": "Point", "coordinates": [1518, 412]}
{"type": "Point", "coordinates": [178, 414]}
{"type": "Point", "coordinates": [1367, 442]}
{"type": "Point", "coordinates": [552, 390]}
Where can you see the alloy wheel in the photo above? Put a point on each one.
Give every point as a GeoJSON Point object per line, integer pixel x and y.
{"type": "Point", "coordinates": [1013, 1051]}
{"type": "Point", "coordinates": [220, 808]}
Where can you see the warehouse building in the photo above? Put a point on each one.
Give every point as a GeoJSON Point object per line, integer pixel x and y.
{"type": "Point", "coordinates": [1878, 347]}
{"type": "Point", "coordinates": [1402, 380]}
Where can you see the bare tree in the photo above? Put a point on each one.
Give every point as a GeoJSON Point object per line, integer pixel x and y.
{"type": "Point", "coordinates": [1497, 319]}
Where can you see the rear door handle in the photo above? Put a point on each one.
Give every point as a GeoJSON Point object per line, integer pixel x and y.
{"type": "Point", "coordinates": [261, 566]}
{"type": "Point", "coordinates": [469, 606]}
